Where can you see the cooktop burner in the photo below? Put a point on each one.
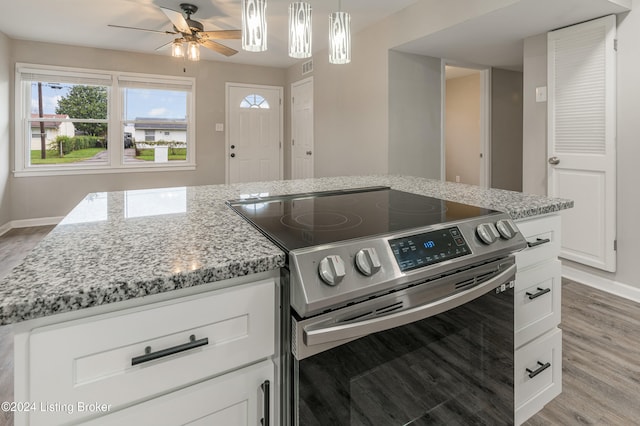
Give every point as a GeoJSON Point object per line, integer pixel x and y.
{"type": "Point", "coordinates": [305, 220]}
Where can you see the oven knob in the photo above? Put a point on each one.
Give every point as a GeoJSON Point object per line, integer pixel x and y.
{"type": "Point", "coordinates": [487, 233]}
{"type": "Point", "coordinates": [332, 269]}
{"type": "Point", "coordinates": [506, 228]}
{"type": "Point", "coordinates": [367, 261]}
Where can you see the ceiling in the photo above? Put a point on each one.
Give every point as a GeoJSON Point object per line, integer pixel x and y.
{"type": "Point", "coordinates": [496, 39]}
{"type": "Point", "coordinates": [84, 23]}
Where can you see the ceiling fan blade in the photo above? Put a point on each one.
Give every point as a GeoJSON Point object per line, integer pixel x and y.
{"type": "Point", "coordinates": [141, 29]}
{"type": "Point", "coordinates": [164, 45]}
{"type": "Point", "coordinates": [217, 47]}
{"type": "Point", "coordinates": [177, 20]}
{"type": "Point", "coordinates": [221, 35]}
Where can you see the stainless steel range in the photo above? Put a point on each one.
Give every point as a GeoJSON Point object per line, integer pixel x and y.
{"type": "Point", "coordinates": [401, 307]}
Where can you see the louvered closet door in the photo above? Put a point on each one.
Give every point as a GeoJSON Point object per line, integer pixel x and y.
{"type": "Point", "coordinates": [581, 138]}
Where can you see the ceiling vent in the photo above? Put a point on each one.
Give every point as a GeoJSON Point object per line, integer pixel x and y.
{"type": "Point", "coordinates": [307, 67]}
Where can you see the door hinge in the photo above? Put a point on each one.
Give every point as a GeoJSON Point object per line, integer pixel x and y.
{"type": "Point", "coordinates": [615, 44]}
{"type": "Point", "coordinates": [293, 142]}
{"type": "Point", "coordinates": [615, 245]}
{"type": "Point", "coordinates": [293, 100]}
{"type": "Point", "coordinates": [280, 101]}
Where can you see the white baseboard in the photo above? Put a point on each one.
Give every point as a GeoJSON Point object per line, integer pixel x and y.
{"type": "Point", "coordinates": [610, 286]}
{"type": "Point", "coordinates": [5, 228]}
{"type": "Point", "coordinates": [27, 223]}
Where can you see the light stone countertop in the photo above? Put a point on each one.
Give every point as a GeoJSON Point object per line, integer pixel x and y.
{"type": "Point", "coordinates": [122, 245]}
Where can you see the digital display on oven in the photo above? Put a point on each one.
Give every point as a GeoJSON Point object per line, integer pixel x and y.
{"type": "Point", "coordinates": [426, 249]}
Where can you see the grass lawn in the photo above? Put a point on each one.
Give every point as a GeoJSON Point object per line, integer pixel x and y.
{"type": "Point", "coordinates": [53, 157]}
{"type": "Point", "coordinates": [174, 154]}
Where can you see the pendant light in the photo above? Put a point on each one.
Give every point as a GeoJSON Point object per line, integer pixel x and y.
{"type": "Point", "coordinates": [254, 25]}
{"type": "Point", "coordinates": [339, 37]}
{"type": "Point", "coordinates": [193, 51]}
{"type": "Point", "coordinates": [300, 30]}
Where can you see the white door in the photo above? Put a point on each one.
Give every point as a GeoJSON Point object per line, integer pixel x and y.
{"type": "Point", "coordinates": [581, 139]}
{"type": "Point", "coordinates": [302, 129]}
{"type": "Point", "coordinates": [254, 133]}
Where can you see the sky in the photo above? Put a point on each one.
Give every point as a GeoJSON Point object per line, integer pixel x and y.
{"type": "Point", "coordinates": [138, 103]}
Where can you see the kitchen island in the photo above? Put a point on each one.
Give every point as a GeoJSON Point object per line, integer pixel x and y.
{"type": "Point", "coordinates": [147, 255]}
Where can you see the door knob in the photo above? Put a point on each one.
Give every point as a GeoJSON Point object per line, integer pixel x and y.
{"type": "Point", "coordinates": [233, 146]}
{"type": "Point", "coordinates": [308, 152]}
{"type": "Point", "coordinates": [233, 155]}
{"type": "Point", "coordinates": [554, 160]}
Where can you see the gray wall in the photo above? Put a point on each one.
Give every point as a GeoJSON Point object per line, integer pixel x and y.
{"type": "Point", "coordinates": [506, 129]}
{"type": "Point", "coordinates": [628, 148]}
{"type": "Point", "coordinates": [351, 103]}
{"type": "Point", "coordinates": [53, 196]}
{"type": "Point", "coordinates": [415, 93]}
{"type": "Point", "coordinates": [5, 102]}
{"type": "Point", "coordinates": [462, 129]}
{"type": "Point", "coordinates": [534, 129]}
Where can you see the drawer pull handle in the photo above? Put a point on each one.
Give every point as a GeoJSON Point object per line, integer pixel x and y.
{"type": "Point", "coordinates": [539, 370]}
{"type": "Point", "coordinates": [538, 242]}
{"type": "Point", "coordinates": [264, 421]}
{"type": "Point", "coordinates": [150, 356]}
{"type": "Point", "coordinates": [540, 292]}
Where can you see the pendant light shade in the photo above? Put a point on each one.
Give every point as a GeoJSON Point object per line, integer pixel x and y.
{"type": "Point", "coordinates": [254, 25]}
{"type": "Point", "coordinates": [339, 38]}
{"type": "Point", "coordinates": [177, 49]}
{"type": "Point", "coordinates": [300, 30]}
{"type": "Point", "coordinates": [193, 51]}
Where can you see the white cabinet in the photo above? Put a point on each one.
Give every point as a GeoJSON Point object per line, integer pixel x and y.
{"type": "Point", "coordinates": [538, 340]}
{"type": "Point", "coordinates": [136, 360]}
{"type": "Point", "coordinates": [240, 398]}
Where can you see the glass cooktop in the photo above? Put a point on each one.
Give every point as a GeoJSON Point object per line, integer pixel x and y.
{"type": "Point", "coordinates": [305, 220]}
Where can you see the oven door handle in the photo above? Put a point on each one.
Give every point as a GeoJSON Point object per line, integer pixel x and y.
{"type": "Point", "coordinates": [315, 334]}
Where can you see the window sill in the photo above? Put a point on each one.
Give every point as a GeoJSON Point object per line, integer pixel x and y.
{"type": "Point", "coordinates": [53, 171]}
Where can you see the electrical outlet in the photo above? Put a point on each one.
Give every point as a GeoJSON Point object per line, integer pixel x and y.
{"type": "Point", "coordinates": [219, 127]}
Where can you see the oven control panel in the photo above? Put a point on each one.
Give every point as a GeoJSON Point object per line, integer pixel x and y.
{"type": "Point", "coordinates": [428, 248]}
{"type": "Point", "coordinates": [332, 275]}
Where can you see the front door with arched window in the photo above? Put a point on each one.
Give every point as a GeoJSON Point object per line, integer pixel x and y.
{"type": "Point", "coordinates": [254, 133]}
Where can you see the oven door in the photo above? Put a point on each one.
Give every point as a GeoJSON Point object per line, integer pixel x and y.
{"type": "Point", "coordinates": [408, 360]}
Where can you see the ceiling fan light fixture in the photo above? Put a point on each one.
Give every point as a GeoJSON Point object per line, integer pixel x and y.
{"type": "Point", "coordinates": [300, 30]}
{"type": "Point", "coordinates": [339, 38]}
{"type": "Point", "coordinates": [177, 49]}
{"type": "Point", "coordinates": [193, 51]}
{"type": "Point", "coordinates": [254, 25]}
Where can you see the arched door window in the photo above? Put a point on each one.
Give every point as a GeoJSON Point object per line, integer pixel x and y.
{"type": "Point", "coordinates": [254, 101]}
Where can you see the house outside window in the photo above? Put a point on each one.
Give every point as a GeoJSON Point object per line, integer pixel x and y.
{"type": "Point", "coordinates": [149, 136]}
{"type": "Point", "coordinates": [74, 121]}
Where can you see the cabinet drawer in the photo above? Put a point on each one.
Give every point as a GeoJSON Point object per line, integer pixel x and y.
{"type": "Point", "coordinates": [543, 236]}
{"type": "Point", "coordinates": [532, 393]}
{"type": "Point", "coordinates": [537, 300]}
{"type": "Point", "coordinates": [92, 360]}
{"type": "Point", "coordinates": [236, 398]}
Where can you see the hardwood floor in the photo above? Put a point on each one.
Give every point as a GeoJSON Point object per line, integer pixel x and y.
{"type": "Point", "coordinates": [601, 351]}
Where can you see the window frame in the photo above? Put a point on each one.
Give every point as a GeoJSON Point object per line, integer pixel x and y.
{"type": "Point", "coordinates": [115, 121]}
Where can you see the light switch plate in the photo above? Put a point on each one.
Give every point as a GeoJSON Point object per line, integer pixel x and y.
{"type": "Point", "coordinates": [219, 127]}
{"type": "Point", "coordinates": [541, 94]}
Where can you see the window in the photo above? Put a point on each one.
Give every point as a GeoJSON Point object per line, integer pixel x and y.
{"type": "Point", "coordinates": [86, 121]}
{"type": "Point", "coordinates": [254, 101]}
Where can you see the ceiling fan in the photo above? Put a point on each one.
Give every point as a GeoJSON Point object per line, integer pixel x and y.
{"type": "Point", "coordinates": [190, 30]}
